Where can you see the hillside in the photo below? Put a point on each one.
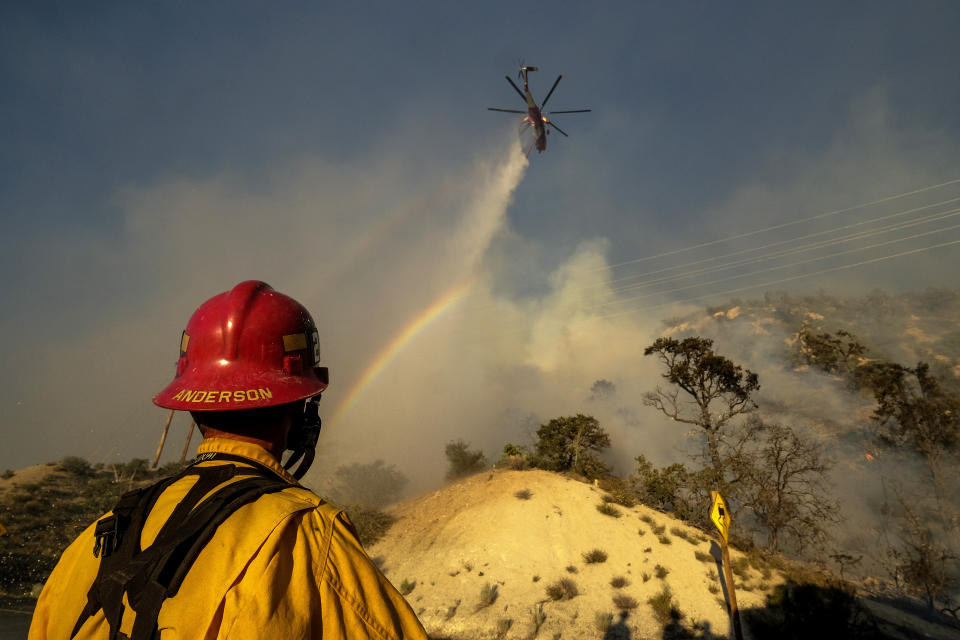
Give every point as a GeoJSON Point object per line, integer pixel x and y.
{"type": "Point", "coordinates": [515, 533]}
{"type": "Point", "coordinates": [484, 530]}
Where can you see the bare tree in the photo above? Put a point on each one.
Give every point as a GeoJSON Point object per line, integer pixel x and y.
{"type": "Point", "coordinates": [923, 560]}
{"type": "Point", "coordinates": [782, 481]}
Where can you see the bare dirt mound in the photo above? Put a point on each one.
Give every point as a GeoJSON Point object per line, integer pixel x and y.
{"type": "Point", "coordinates": [518, 532]}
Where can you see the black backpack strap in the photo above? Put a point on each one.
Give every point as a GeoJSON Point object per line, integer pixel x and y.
{"type": "Point", "coordinates": [150, 576]}
{"type": "Point", "coordinates": [179, 550]}
{"type": "Point", "coordinates": [116, 544]}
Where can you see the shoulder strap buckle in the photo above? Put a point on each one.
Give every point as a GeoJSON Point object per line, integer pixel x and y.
{"type": "Point", "coordinates": [107, 536]}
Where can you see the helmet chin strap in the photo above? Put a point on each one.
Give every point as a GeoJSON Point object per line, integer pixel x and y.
{"type": "Point", "coordinates": [302, 439]}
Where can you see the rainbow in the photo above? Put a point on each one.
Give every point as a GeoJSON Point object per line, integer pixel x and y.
{"type": "Point", "coordinates": [419, 322]}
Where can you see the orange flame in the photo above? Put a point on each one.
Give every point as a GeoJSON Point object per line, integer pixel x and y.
{"type": "Point", "coordinates": [868, 456]}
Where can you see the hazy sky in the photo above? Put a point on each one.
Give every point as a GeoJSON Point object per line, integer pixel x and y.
{"type": "Point", "coordinates": [153, 156]}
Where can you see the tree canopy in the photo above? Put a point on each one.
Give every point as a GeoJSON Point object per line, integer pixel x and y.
{"type": "Point", "coordinates": [567, 443]}
{"type": "Point", "coordinates": [717, 390]}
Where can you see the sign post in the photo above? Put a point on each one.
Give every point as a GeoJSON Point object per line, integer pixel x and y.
{"type": "Point", "coordinates": [721, 518]}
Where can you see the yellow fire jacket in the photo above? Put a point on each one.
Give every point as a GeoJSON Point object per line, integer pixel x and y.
{"type": "Point", "coordinates": [285, 566]}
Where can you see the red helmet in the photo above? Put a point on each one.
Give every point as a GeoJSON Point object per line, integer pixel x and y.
{"type": "Point", "coordinates": [246, 348]}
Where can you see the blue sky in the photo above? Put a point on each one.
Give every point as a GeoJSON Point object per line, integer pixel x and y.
{"type": "Point", "coordinates": [710, 120]}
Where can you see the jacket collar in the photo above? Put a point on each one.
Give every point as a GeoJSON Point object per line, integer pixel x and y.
{"type": "Point", "coordinates": [245, 450]}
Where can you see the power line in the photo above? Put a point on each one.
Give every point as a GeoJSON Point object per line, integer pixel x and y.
{"type": "Point", "coordinates": [779, 242]}
{"type": "Point", "coordinates": [784, 266]}
{"type": "Point", "coordinates": [786, 224]}
{"type": "Point", "coordinates": [782, 280]}
{"type": "Point", "coordinates": [802, 249]}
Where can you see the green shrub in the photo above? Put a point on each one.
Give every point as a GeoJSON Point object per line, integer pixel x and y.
{"type": "Point", "coordinates": [503, 626]}
{"type": "Point", "coordinates": [624, 602]}
{"type": "Point", "coordinates": [371, 524]}
{"type": "Point", "coordinates": [568, 443]}
{"type": "Point", "coordinates": [658, 529]}
{"type": "Point", "coordinates": [372, 484]}
{"type": "Point", "coordinates": [664, 608]}
{"type": "Point", "coordinates": [463, 461]}
{"type": "Point", "coordinates": [407, 586]}
{"type": "Point", "coordinates": [602, 621]}
{"type": "Point", "coordinates": [618, 582]}
{"type": "Point", "coordinates": [594, 556]}
{"type": "Point", "coordinates": [514, 457]}
{"type": "Point", "coordinates": [664, 539]}
{"type": "Point", "coordinates": [171, 468]}
{"type": "Point", "coordinates": [608, 509]}
{"type": "Point", "coordinates": [645, 576]}
{"type": "Point", "coordinates": [661, 571]}
{"type": "Point", "coordinates": [563, 589]}
{"type": "Point", "coordinates": [75, 466]}
{"type": "Point", "coordinates": [488, 595]}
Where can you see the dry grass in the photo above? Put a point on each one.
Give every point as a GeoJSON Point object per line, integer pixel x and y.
{"type": "Point", "coordinates": [602, 620]}
{"type": "Point", "coordinates": [523, 494]}
{"type": "Point", "coordinates": [665, 610]}
{"type": "Point", "coordinates": [594, 556]}
{"type": "Point", "coordinates": [619, 582]}
{"type": "Point", "coordinates": [608, 509]}
{"type": "Point", "coordinates": [563, 589]}
{"type": "Point", "coordinates": [661, 571]}
{"type": "Point", "coordinates": [624, 602]}
{"type": "Point", "coordinates": [488, 595]}
{"type": "Point", "coordinates": [703, 557]}
{"type": "Point", "coordinates": [407, 586]}
{"type": "Point", "coordinates": [683, 534]}
{"type": "Point", "coordinates": [538, 617]}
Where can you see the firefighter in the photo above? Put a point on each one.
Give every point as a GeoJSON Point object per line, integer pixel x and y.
{"type": "Point", "coordinates": [232, 547]}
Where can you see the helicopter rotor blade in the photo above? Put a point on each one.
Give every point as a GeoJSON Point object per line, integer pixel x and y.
{"type": "Point", "coordinates": [573, 111]}
{"type": "Point", "coordinates": [553, 124]}
{"type": "Point", "coordinates": [550, 93]}
{"type": "Point", "coordinates": [505, 110]}
{"type": "Point", "coordinates": [516, 88]}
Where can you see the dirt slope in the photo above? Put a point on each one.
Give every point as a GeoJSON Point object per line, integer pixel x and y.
{"type": "Point", "coordinates": [477, 532]}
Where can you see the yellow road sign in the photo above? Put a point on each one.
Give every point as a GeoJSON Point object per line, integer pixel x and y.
{"type": "Point", "coordinates": [720, 515]}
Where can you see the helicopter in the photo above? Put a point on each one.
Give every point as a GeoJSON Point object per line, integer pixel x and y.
{"type": "Point", "coordinates": [535, 118]}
